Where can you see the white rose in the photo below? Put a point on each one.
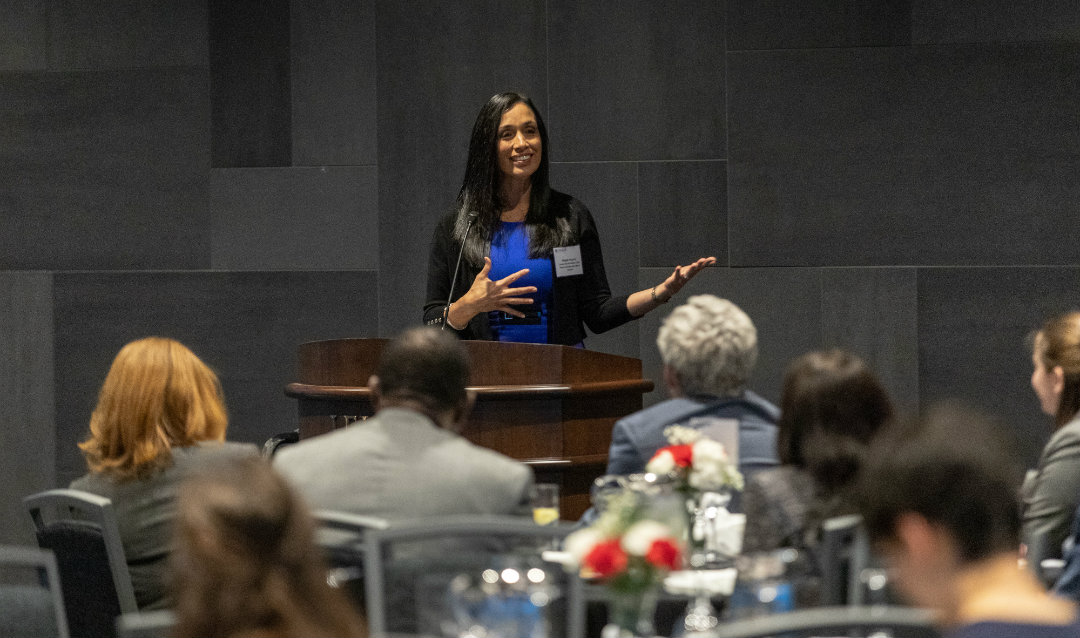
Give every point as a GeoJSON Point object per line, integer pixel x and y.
{"type": "Point", "coordinates": [661, 464]}
{"type": "Point", "coordinates": [580, 542]}
{"type": "Point", "coordinates": [641, 535]}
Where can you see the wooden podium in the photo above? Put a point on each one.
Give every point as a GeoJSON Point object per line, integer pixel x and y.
{"type": "Point", "coordinates": [550, 406]}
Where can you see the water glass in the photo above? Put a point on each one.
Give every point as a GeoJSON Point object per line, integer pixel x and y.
{"type": "Point", "coordinates": [544, 499]}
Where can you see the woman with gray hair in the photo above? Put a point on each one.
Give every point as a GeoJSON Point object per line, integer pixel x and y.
{"type": "Point", "coordinates": [709, 348]}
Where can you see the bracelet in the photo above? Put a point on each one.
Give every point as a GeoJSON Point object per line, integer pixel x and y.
{"type": "Point", "coordinates": [657, 300]}
{"type": "Point", "coordinates": [447, 319]}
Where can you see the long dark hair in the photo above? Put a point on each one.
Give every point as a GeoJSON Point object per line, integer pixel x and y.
{"type": "Point", "coordinates": [832, 406]}
{"type": "Point", "coordinates": [480, 188]}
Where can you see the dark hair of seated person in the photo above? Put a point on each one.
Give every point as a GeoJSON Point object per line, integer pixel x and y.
{"type": "Point", "coordinates": [424, 365]}
{"type": "Point", "coordinates": [244, 561]}
{"type": "Point", "coordinates": [956, 468]}
{"type": "Point", "coordinates": [832, 406]}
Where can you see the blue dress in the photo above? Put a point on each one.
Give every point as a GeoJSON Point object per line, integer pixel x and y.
{"type": "Point", "coordinates": [509, 254]}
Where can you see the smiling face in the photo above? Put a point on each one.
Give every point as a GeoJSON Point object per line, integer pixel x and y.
{"type": "Point", "coordinates": [1048, 383]}
{"type": "Point", "coordinates": [519, 145]}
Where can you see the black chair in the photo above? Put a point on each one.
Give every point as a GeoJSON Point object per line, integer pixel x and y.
{"type": "Point", "coordinates": [844, 553]}
{"type": "Point", "coordinates": [278, 441]}
{"type": "Point", "coordinates": [424, 560]}
{"type": "Point", "coordinates": [341, 536]}
{"type": "Point", "coordinates": [31, 603]}
{"type": "Point", "coordinates": [81, 530]}
{"type": "Point", "coordinates": [146, 624]}
{"type": "Point", "coordinates": [848, 620]}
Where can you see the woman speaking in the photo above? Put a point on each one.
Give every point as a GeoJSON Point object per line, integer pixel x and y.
{"type": "Point", "coordinates": [518, 261]}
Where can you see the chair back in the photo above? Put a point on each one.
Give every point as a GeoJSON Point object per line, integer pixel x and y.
{"type": "Point", "coordinates": [81, 530]}
{"type": "Point", "coordinates": [849, 620]}
{"type": "Point", "coordinates": [844, 553]}
{"type": "Point", "coordinates": [31, 603]}
{"type": "Point", "coordinates": [341, 536]}
{"type": "Point", "coordinates": [278, 441]}
{"type": "Point", "coordinates": [146, 624]}
{"type": "Point", "coordinates": [440, 562]}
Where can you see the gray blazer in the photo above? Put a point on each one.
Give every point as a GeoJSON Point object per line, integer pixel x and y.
{"type": "Point", "coordinates": [1051, 494]}
{"type": "Point", "coordinates": [146, 508]}
{"type": "Point", "coordinates": [399, 465]}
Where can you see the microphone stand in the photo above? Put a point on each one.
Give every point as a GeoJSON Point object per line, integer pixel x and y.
{"type": "Point", "coordinates": [457, 267]}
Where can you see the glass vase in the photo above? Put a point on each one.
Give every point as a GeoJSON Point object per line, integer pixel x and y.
{"type": "Point", "coordinates": [631, 613]}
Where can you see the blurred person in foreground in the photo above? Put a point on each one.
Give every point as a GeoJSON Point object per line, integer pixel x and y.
{"type": "Point", "coordinates": [160, 417]}
{"type": "Point", "coordinates": [407, 461]}
{"type": "Point", "coordinates": [709, 348]}
{"type": "Point", "coordinates": [245, 561]}
{"type": "Point", "coordinates": [938, 498]}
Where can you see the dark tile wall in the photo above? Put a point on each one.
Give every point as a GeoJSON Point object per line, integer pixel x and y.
{"type": "Point", "coordinates": [27, 430]}
{"type": "Point", "coordinates": [894, 177]}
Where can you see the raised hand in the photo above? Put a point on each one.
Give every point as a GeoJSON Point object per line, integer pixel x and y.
{"type": "Point", "coordinates": [682, 274]}
{"type": "Point", "coordinates": [486, 295]}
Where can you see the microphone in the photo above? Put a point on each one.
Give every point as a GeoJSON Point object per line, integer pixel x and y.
{"type": "Point", "coordinates": [471, 217]}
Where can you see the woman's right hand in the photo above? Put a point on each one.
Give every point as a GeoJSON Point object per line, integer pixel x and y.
{"type": "Point", "coordinates": [486, 295]}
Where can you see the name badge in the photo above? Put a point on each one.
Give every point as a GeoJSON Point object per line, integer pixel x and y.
{"type": "Point", "coordinates": [568, 261]}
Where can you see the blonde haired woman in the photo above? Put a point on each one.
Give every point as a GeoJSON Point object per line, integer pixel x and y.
{"type": "Point", "coordinates": [245, 562]}
{"type": "Point", "coordinates": [159, 416]}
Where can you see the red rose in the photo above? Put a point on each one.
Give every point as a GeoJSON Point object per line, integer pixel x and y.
{"type": "Point", "coordinates": [664, 553]}
{"type": "Point", "coordinates": [683, 454]}
{"type": "Point", "coordinates": [606, 558]}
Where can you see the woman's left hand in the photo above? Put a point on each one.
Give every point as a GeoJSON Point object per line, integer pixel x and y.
{"type": "Point", "coordinates": [682, 274]}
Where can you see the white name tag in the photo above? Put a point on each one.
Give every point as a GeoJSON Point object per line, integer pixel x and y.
{"type": "Point", "coordinates": [568, 261]}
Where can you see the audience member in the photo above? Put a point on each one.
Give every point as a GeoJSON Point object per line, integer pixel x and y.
{"type": "Point", "coordinates": [245, 562]}
{"type": "Point", "coordinates": [160, 416]}
{"type": "Point", "coordinates": [831, 407]}
{"type": "Point", "coordinates": [1052, 492]}
{"type": "Point", "coordinates": [938, 501]}
{"type": "Point", "coordinates": [709, 348]}
{"type": "Point", "coordinates": [406, 461]}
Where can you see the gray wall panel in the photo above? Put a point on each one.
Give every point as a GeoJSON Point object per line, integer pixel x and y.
{"type": "Point", "coordinates": [972, 328]}
{"type": "Point", "coordinates": [435, 72]}
{"type": "Point", "coordinates": [956, 155]}
{"type": "Point", "coordinates": [24, 36]}
{"type": "Point", "coordinates": [783, 303]}
{"type": "Point", "coordinates": [644, 82]}
{"type": "Point", "coordinates": [295, 218]}
{"type": "Point", "coordinates": [806, 24]}
{"type": "Point", "coordinates": [948, 21]}
{"type": "Point", "coordinates": [1005, 99]}
{"type": "Point", "coordinates": [246, 326]}
{"type": "Point", "coordinates": [873, 312]}
{"type": "Point", "coordinates": [27, 433]}
{"type": "Point", "coordinates": [250, 78]}
{"type": "Point", "coordinates": [104, 170]}
{"type": "Point", "coordinates": [333, 82]}
{"type": "Point", "coordinates": [683, 212]}
{"type": "Point", "coordinates": [110, 34]}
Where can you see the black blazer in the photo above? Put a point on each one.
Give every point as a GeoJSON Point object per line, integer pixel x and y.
{"type": "Point", "coordinates": [578, 300]}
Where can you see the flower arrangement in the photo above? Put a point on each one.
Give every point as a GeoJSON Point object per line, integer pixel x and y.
{"type": "Point", "coordinates": [624, 546]}
{"type": "Point", "coordinates": [630, 551]}
{"type": "Point", "coordinates": [696, 462]}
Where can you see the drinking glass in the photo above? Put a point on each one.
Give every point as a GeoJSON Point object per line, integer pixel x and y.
{"type": "Point", "coordinates": [544, 499]}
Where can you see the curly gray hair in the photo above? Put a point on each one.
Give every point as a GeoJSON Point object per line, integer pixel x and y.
{"type": "Point", "coordinates": [710, 344]}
